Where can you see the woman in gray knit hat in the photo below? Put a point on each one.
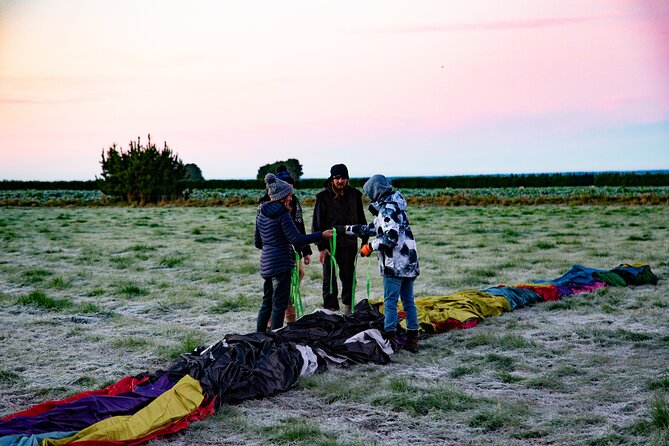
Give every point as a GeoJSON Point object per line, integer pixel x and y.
{"type": "Point", "coordinates": [275, 234]}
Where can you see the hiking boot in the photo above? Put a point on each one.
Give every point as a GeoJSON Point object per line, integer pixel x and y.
{"type": "Point", "coordinates": [412, 341]}
{"type": "Point", "coordinates": [347, 310]}
{"type": "Point", "coordinates": [290, 314]}
{"type": "Point", "coordinates": [391, 337]}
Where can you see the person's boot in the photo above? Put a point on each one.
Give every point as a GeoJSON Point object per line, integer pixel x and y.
{"type": "Point", "coordinates": [391, 337]}
{"type": "Point", "coordinates": [347, 310]}
{"type": "Point", "coordinates": [290, 314]}
{"type": "Point", "coordinates": [412, 341]}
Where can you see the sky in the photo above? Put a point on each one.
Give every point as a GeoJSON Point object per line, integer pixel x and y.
{"type": "Point", "coordinates": [398, 87]}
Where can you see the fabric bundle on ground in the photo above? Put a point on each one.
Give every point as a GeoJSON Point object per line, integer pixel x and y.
{"type": "Point", "coordinates": [239, 367]}
{"type": "Point", "coordinates": [464, 309]}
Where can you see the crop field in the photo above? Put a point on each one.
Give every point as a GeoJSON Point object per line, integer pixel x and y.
{"type": "Point", "coordinates": [89, 295]}
{"type": "Point", "coordinates": [582, 195]}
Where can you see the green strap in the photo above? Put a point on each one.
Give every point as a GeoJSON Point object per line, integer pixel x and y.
{"type": "Point", "coordinates": [333, 262]}
{"type": "Point", "coordinates": [369, 279]}
{"type": "Point", "coordinates": [355, 281]}
{"type": "Point", "coordinates": [295, 293]}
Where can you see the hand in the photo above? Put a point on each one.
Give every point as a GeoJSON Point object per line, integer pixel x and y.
{"type": "Point", "coordinates": [307, 259]}
{"type": "Point", "coordinates": [366, 250]}
{"type": "Point", "coordinates": [322, 255]}
{"type": "Point", "coordinates": [327, 235]}
{"type": "Point", "coordinates": [341, 230]}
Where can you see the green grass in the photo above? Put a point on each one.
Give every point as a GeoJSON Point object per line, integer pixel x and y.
{"type": "Point", "coordinates": [640, 237]}
{"type": "Point", "coordinates": [172, 261]}
{"type": "Point", "coordinates": [463, 370]}
{"type": "Point", "coordinates": [545, 245]}
{"type": "Point", "coordinates": [187, 344]}
{"type": "Point", "coordinates": [8, 377]}
{"type": "Point", "coordinates": [424, 400]}
{"type": "Point", "coordinates": [661, 383]}
{"type": "Point", "coordinates": [506, 341]}
{"type": "Point", "coordinates": [659, 414]}
{"type": "Point", "coordinates": [85, 381]}
{"type": "Point", "coordinates": [131, 291]}
{"type": "Point", "coordinates": [239, 303]}
{"type": "Point", "coordinates": [58, 283]}
{"type": "Point", "coordinates": [32, 276]}
{"type": "Point", "coordinates": [297, 431]}
{"type": "Point", "coordinates": [501, 417]}
{"type": "Point", "coordinates": [132, 343]}
{"type": "Point", "coordinates": [38, 299]}
{"type": "Point", "coordinates": [574, 369]}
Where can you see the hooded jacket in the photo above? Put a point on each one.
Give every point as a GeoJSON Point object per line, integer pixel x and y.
{"type": "Point", "coordinates": [394, 242]}
{"type": "Point", "coordinates": [274, 234]}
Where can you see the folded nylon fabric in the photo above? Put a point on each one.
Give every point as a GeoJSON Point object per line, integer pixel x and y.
{"type": "Point", "coordinates": [126, 384]}
{"type": "Point", "coordinates": [546, 291]}
{"type": "Point", "coordinates": [32, 439]}
{"type": "Point", "coordinates": [183, 398]}
{"type": "Point", "coordinates": [243, 366]}
{"type": "Point", "coordinates": [461, 306]}
{"type": "Point", "coordinates": [636, 274]}
{"type": "Point", "coordinates": [577, 275]}
{"type": "Point", "coordinates": [85, 411]}
{"type": "Point", "coordinates": [517, 297]}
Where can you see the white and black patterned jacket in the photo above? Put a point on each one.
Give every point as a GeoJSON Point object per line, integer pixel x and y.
{"type": "Point", "coordinates": [394, 242]}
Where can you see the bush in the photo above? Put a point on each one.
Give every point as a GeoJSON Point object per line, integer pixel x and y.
{"type": "Point", "coordinates": [143, 174]}
{"type": "Point", "coordinates": [293, 165]}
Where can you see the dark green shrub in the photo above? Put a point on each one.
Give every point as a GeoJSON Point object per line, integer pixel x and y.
{"type": "Point", "coordinates": [143, 174]}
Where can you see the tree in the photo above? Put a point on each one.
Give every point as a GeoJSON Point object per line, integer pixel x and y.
{"type": "Point", "coordinates": [193, 172]}
{"type": "Point", "coordinates": [142, 174]}
{"type": "Point", "coordinates": [293, 165]}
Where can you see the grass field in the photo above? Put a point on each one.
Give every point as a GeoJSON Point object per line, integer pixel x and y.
{"type": "Point", "coordinates": [89, 295]}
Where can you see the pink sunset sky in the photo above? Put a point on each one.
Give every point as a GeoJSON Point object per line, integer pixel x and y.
{"type": "Point", "coordinates": [398, 87]}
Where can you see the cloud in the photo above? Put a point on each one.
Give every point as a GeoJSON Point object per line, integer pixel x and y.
{"type": "Point", "coordinates": [500, 25]}
{"type": "Point", "coordinates": [28, 101]}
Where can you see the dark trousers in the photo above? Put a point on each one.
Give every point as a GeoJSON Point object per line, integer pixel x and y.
{"type": "Point", "coordinates": [276, 295]}
{"type": "Point", "coordinates": [345, 257]}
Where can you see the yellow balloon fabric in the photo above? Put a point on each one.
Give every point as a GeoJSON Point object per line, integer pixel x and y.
{"type": "Point", "coordinates": [174, 404]}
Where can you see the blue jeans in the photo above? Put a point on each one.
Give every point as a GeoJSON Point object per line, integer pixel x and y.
{"type": "Point", "coordinates": [276, 295]}
{"type": "Point", "coordinates": [394, 288]}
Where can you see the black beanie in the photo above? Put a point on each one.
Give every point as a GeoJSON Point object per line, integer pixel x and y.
{"type": "Point", "coordinates": [339, 170]}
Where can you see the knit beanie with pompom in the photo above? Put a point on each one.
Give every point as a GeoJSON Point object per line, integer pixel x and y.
{"type": "Point", "coordinates": [277, 189]}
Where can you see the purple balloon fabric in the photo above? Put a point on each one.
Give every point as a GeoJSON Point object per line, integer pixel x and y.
{"type": "Point", "coordinates": [88, 410]}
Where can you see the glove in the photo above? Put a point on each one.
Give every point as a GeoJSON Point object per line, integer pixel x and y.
{"type": "Point", "coordinates": [366, 250]}
{"type": "Point", "coordinates": [341, 230]}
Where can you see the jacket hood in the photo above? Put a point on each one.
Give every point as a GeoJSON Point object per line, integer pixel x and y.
{"type": "Point", "coordinates": [272, 209]}
{"type": "Point", "coordinates": [376, 187]}
{"type": "Point", "coordinates": [394, 197]}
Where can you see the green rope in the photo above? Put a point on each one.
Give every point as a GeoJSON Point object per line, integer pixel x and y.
{"type": "Point", "coordinates": [295, 293]}
{"type": "Point", "coordinates": [333, 262]}
{"type": "Point", "coordinates": [355, 281]}
{"type": "Point", "coordinates": [369, 279]}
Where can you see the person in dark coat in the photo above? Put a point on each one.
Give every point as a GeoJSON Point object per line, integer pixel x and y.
{"type": "Point", "coordinates": [275, 233]}
{"type": "Point", "coordinates": [338, 204]}
{"type": "Point", "coordinates": [295, 209]}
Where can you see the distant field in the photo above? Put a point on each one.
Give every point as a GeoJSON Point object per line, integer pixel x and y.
{"type": "Point", "coordinates": [91, 294]}
{"type": "Point", "coordinates": [586, 195]}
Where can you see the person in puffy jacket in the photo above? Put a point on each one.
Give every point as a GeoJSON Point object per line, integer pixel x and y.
{"type": "Point", "coordinates": [275, 235]}
{"type": "Point", "coordinates": [295, 210]}
{"type": "Point", "coordinates": [396, 250]}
